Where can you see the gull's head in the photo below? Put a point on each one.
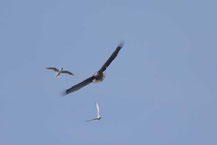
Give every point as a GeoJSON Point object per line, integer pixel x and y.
{"type": "Point", "coordinates": [61, 68]}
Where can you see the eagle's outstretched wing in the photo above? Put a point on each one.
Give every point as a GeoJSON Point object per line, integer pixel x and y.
{"type": "Point", "coordinates": [112, 57]}
{"type": "Point", "coordinates": [53, 68]}
{"type": "Point", "coordinates": [80, 85]}
{"type": "Point", "coordinates": [67, 72]}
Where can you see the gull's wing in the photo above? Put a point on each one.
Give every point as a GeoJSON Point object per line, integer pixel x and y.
{"type": "Point", "coordinates": [53, 68]}
{"type": "Point", "coordinates": [112, 57]}
{"type": "Point", "coordinates": [97, 107]}
{"type": "Point", "coordinates": [80, 85]}
{"type": "Point", "coordinates": [67, 72]}
{"type": "Point", "coordinates": [91, 119]}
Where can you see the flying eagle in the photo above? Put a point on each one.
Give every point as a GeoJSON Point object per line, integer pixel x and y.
{"type": "Point", "coordinates": [99, 75]}
{"type": "Point", "coordinates": [59, 71]}
{"type": "Point", "coordinates": [98, 116]}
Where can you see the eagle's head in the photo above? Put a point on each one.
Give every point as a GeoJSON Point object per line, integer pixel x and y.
{"type": "Point", "coordinates": [99, 77]}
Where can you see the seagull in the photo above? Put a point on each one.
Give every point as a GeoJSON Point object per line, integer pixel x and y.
{"type": "Point", "coordinates": [59, 71]}
{"type": "Point", "coordinates": [98, 116]}
{"type": "Point", "coordinates": [99, 75]}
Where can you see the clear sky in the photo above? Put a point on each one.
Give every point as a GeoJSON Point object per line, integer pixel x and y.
{"type": "Point", "coordinates": [160, 90]}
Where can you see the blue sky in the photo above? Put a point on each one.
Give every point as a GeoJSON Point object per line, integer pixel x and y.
{"type": "Point", "coordinates": [160, 90]}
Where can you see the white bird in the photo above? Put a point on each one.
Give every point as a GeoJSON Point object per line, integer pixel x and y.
{"type": "Point", "coordinates": [59, 71]}
{"type": "Point", "coordinates": [98, 116]}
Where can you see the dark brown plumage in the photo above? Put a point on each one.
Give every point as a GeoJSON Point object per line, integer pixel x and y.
{"type": "Point", "coordinates": [99, 75]}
